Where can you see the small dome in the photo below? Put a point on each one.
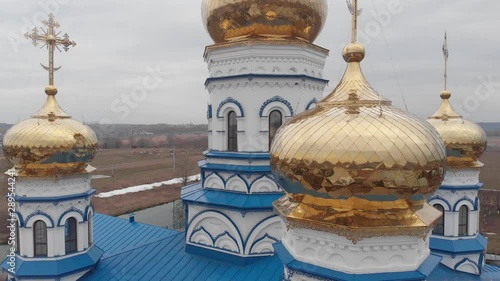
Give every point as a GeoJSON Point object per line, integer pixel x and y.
{"type": "Point", "coordinates": [355, 144]}
{"type": "Point", "coordinates": [275, 19]}
{"type": "Point", "coordinates": [465, 141]}
{"type": "Point", "coordinates": [50, 143]}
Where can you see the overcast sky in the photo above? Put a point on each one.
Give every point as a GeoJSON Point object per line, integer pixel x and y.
{"type": "Point", "coordinates": [120, 42]}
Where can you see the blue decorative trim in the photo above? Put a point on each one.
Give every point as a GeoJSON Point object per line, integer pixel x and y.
{"type": "Point", "coordinates": [226, 233]}
{"type": "Point", "coordinates": [276, 99]}
{"type": "Point", "coordinates": [437, 197]}
{"type": "Point", "coordinates": [55, 199]}
{"type": "Point", "coordinates": [480, 262]}
{"type": "Point", "coordinates": [233, 101]}
{"type": "Point", "coordinates": [249, 156]}
{"type": "Point", "coordinates": [20, 218]}
{"type": "Point", "coordinates": [461, 187]}
{"type": "Point", "coordinates": [476, 203]}
{"type": "Point", "coordinates": [260, 239]}
{"type": "Point", "coordinates": [247, 186]}
{"type": "Point", "coordinates": [250, 77]}
{"type": "Point", "coordinates": [41, 213]}
{"type": "Point", "coordinates": [210, 174]}
{"type": "Point", "coordinates": [70, 210]}
{"type": "Point", "coordinates": [313, 101]}
{"type": "Point", "coordinates": [465, 198]}
{"type": "Point", "coordinates": [209, 111]}
{"type": "Point", "coordinates": [236, 168]}
{"type": "Point", "coordinates": [267, 176]}
{"type": "Point", "coordinates": [86, 214]}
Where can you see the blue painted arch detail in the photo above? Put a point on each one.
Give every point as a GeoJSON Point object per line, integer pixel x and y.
{"type": "Point", "coordinates": [70, 210]}
{"type": "Point", "coordinates": [467, 199]}
{"type": "Point", "coordinates": [86, 214]}
{"type": "Point", "coordinates": [313, 101]}
{"type": "Point", "coordinates": [20, 219]}
{"type": "Point", "coordinates": [467, 260]}
{"type": "Point", "coordinates": [233, 101]}
{"type": "Point", "coordinates": [40, 213]}
{"type": "Point", "coordinates": [441, 199]}
{"type": "Point", "coordinates": [276, 99]}
{"type": "Point", "coordinates": [262, 238]}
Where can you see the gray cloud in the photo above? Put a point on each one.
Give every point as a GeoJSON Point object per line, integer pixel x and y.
{"type": "Point", "coordinates": [119, 40]}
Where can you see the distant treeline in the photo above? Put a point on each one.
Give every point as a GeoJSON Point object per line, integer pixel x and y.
{"type": "Point", "coordinates": [127, 130]}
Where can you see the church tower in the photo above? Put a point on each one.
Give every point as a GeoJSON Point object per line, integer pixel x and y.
{"type": "Point", "coordinates": [357, 174]}
{"type": "Point", "coordinates": [50, 182]}
{"type": "Point", "coordinates": [456, 237]}
{"type": "Point", "coordinates": [263, 70]}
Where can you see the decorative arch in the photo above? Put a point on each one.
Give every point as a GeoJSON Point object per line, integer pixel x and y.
{"type": "Point", "coordinates": [226, 104]}
{"type": "Point", "coordinates": [468, 265]}
{"type": "Point", "coordinates": [312, 103]}
{"type": "Point", "coordinates": [88, 209]}
{"type": "Point", "coordinates": [264, 184]}
{"type": "Point", "coordinates": [237, 183]}
{"type": "Point", "coordinates": [226, 242]}
{"type": "Point", "coordinates": [262, 233]}
{"type": "Point", "coordinates": [441, 201]}
{"type": "Point", "coordinates": [39, 215]}
{"type": "Point", "coordinates": [265, 109]}
{"type": "Point", "coordinates": [195, 224]}
{"type": "Point", "coordinates": [19, 218]}
{"type": "Point", "coordinates": [464, 201]}
{"type": "Point", "coordinates": [71, 213]}
{"type": "Point", "coordinates": [214, 181]}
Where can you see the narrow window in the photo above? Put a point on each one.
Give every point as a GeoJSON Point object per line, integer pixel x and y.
{"type": "Point", "coordinates": [463, 221]}
{"type": "Point", "coordinates": [90, 219]}
{"type": "Point", "coordinates": [439, 228]}
{"type": "Point", "coordinates": [275, 121]}
{"type": "Point", "coordinates": [232, 132]}
{"type": "Point", "coordinates": [70, 235]}
{"type": "Point", "coordinates": [40, 238]}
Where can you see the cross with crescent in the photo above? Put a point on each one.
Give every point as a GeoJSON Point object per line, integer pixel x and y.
{"type": "Point", "coordinates": [50, 39]}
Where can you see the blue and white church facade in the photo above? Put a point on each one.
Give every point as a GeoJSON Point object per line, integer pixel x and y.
{"type": "Point", "coordinates": [254, 87]}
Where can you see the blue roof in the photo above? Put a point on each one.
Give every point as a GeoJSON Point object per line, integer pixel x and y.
{"type": "Point", "coordinates": [196, 194]}
{"type": "Point", "coordinates": [458, 246]}
{"type": "Point", "coordinates": [166, 259]}
{"type": "Point", "coordinates": [115, 234]}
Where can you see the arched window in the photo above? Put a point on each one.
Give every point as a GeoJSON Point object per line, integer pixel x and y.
{"type": "Point", "coordinates": [275, 121]}
{"type": "Point", "coordinates": [40, 238]}
{"type": "Point", "coordinates": [463, 221]}
{"type": "Point", "coordinates": [439, 228]}
{"type": "Point", "coordinates": [70, 235]}
{"type": "Point", "coordinates": [90, 219]}
{"type": "Point", "coordinates": [232, 132]}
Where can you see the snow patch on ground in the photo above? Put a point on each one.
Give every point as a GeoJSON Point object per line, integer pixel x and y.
{"type": "Point", "coordinates": [143, 187]}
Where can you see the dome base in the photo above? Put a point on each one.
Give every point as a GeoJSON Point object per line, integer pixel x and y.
{"type": "Point", "coordinates": [372, 219]}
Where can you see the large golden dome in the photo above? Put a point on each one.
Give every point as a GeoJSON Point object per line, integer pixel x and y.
{"type": "Point", "coordinates": [465, 141]}
{"type": "Point", "coordinates": [355, 160]}
{"type": "Point", "coordinates": [50, 143]}
{"type": "Point", "coordinates": [236, 19]}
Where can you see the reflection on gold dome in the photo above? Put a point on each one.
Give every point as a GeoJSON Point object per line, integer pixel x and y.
{"type": "Point", "coordinates": [355, 165]}
{"type": "Point", "coordinates": [465, 141]}
{"type": "Point", "coordinates": [238, 19]}
{"type": "Point", "coordinates": [50, 143]}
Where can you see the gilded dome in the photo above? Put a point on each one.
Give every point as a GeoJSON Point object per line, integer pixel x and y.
{"type": "Point", "coordinates": [50, 142]}
{"type": "Point", "coordinates": [237, 19]}
{"type": "Point", "coordinates": [465, 141]}
{"type": "Point", "coordinates": [356, 152]}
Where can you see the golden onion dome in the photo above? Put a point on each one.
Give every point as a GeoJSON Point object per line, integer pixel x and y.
{"type": "Point", "coordinates": [50, 142]}
{"type": "Point", "coordinates": [268, 19]}
{"type": "Point", "coordinates": [357, 161]}
{"type": "Point", "coordinates": [465, 141]}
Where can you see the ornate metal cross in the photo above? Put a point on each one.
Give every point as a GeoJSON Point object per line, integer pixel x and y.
{"type": "Point", "coordinates": [52, 41]}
